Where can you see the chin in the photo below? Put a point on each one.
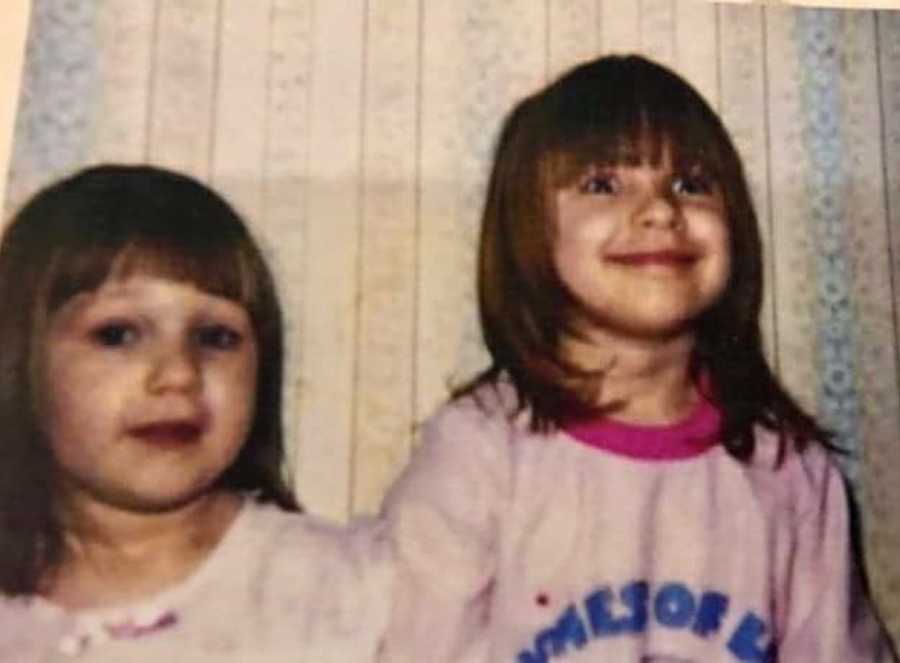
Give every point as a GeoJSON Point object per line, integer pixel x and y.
{"type": "Point", "coordinates": [661, 333]}
{"type": "Point", "coordinates": [649, 327]}
{"type": "Point", "coordinates": [158, 499]}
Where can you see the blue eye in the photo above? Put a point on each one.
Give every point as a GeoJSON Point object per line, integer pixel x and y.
{"type": "Point", "coordinates": [115, 334]}
{"type": "Point", "coordinates": [599, 184]}
{"type": "Point", "coordinates": [217, 337]}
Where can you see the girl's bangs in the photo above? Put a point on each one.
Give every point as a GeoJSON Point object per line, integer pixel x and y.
{"type": "Point", "coordinates": [623, 131]}
{"type": "Point", "coordinates": [223, 271]}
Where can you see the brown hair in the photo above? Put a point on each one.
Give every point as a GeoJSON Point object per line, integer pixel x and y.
{"type": "Point", "coordinates": [68, 239]}
{"type": "Point", "coordinates": [616, 109]}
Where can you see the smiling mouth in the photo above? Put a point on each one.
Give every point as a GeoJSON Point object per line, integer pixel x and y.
{"type": "Point", "coordinates": [665, 258]}
{"type": "Point", "coordinates": [168, 433]}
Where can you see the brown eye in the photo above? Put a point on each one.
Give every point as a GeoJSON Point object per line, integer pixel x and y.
{"type": "Point", "coordinates": [217, 337]}
{"type": "Point", "coordinates": [693, 185]}
{"type": "Point", "coordinates": [599, 184]}
{"type": "Point", "coordinates": [115, 335]}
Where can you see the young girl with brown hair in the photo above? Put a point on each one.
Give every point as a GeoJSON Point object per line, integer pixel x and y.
{"type": "Point", "coordinates": [143, 511]}
{"type": "Point", "coordinates": [628, 481]}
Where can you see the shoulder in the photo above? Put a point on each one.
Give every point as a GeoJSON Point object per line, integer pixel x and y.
{"type": "Point", "coordinates": [319, 569]}
{"type": "Point", "coordinates": [468, 436]}
{"type": "Point", "coordinates": [483, 421]}
{"type": "Point", "coordinates": [456, 484]}
{"type": "Point", "coordinates": [808, 477]}
{"type": "Point", "coordinates": [309, 545]}
{"type": "Point", "coordinates": [286, 580]}
{"type": "Point", "coordinates": [490, 408]}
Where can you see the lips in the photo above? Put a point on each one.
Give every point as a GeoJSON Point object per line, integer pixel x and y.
{"type": "Point", "coordinates": [667, 258]}
{"type": "Point", "coordinates": [168, 433]}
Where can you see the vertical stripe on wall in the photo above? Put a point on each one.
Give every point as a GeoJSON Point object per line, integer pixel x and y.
{"type": "Point", "coordinates": [238, 133]}
{"type": "Point", "coordinates": [59, 89]}
{"type": "Point", "coordinates": [888, 40]}
{"type": "Point", "coordinates": [696, 41]}
{"type": "Point", "coordinates": [126, 38]}
{"type": "Point", "coordinates": [383, 419]}
{"type": "Point", "coordinates": [657, 30]}
{"type": "Point", "coordinates": [867, 235]}
{"type": "Point", "coordinates": [882, 469]}
{"type": "Point", "coordinates": [478, 59]}
{"type": "Point", "coordinates": [573, 33]}
{"type": "Point", "coordinates": [792, 247]}
{"type": "Point", "coordinates": [620, 26]}
{"type": "Point", "coordinates": [183, 87]}
{"type": "Point", "coordinates": [504, 60]}
{"type": "Point", "coordinates": [282, 229]}
{"type": "Point", "coordinates": [743, 85]}
{"type": "Point", "coordinates": [438, 288]}
{"type": "Point", "coordinates": [333, 209]}
{"type": "Point", "coordinates": [818, 38]}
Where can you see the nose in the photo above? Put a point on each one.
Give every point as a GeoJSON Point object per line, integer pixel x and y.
{"type": "Point", "coordinates": [659, 210]}
{"type": "Point", "coordinates": [173, 368]}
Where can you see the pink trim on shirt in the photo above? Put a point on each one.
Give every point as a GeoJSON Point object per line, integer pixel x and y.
{"type": "Point", "coordinates": [685, 439]}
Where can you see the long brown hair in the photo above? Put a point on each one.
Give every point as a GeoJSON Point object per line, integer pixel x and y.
{"type": "Point", "coordinates": [617, 109]}
{"type": "Point", "coordinates": [69, 238]}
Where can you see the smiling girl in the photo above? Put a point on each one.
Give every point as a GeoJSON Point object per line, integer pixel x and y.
{"type": "Point", "coordinates": [627, 481]}
{"type": "Point", "coordinates": [143, 511]}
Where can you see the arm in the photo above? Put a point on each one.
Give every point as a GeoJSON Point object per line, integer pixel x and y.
{"type": "Point", "coordinates": [829, 618]}
{"type": "Point", "coordinates": [443, 515]}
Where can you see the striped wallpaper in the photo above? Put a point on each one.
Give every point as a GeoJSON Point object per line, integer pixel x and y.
{"type": "Point", "coordinates": [355, 136]}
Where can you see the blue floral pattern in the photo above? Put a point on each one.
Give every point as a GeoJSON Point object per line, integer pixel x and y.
{"type": "Point", "coordinates": [819, 37]}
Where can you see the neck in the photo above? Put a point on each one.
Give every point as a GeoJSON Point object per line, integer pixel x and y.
{"type": "Point", "coordinates": [115, 555]}
{"type": "Point", "coordinates": [645, 380]}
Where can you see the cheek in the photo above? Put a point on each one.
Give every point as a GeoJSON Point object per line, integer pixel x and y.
{"type": "Point", "coordinates": [232, 391]}
{"type": "Point", "coordinates": [75, 399]}
{"type": "Point", "coordinates": [721, 239]}
{"type": "Point", "coordinates": [711, 229]}
{"type": "Point", "coordinates": [577, 239]}
{"type": "Point", "coordinates": [577, 253]}
{"type": "Point", "coordinates": [719, 246]}
{"type": "Point", "coordinates": [79, 419]}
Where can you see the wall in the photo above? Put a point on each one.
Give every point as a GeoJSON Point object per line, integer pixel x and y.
{"type": "Point", "coordinates": [355, 136]}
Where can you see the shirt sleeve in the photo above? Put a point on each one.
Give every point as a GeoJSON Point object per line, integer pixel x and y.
{"type": "Point", "coordinates": [829, 618]}
{"type": "Point", "coordinates": [444, 515]}
{"type": "Point", "coordinates": [307, 583]}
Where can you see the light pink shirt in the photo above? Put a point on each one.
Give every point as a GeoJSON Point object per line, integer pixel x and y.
{"type": "Point", "coordinates": [279, 588]}
{"type": "Point", "coordinates": [599, 544]}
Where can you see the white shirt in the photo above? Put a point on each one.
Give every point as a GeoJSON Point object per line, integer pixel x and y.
{"type": "Point", "coordinates": [279, 588]}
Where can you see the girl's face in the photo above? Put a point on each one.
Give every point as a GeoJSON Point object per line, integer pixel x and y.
{"type": "Point", "coordinates": [642, 248]}
{"type": "Point", "coordinates": [148, 389]}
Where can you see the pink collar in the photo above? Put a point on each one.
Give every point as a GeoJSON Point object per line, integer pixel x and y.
{"type": "Point", "coordinates": [684, 439]}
